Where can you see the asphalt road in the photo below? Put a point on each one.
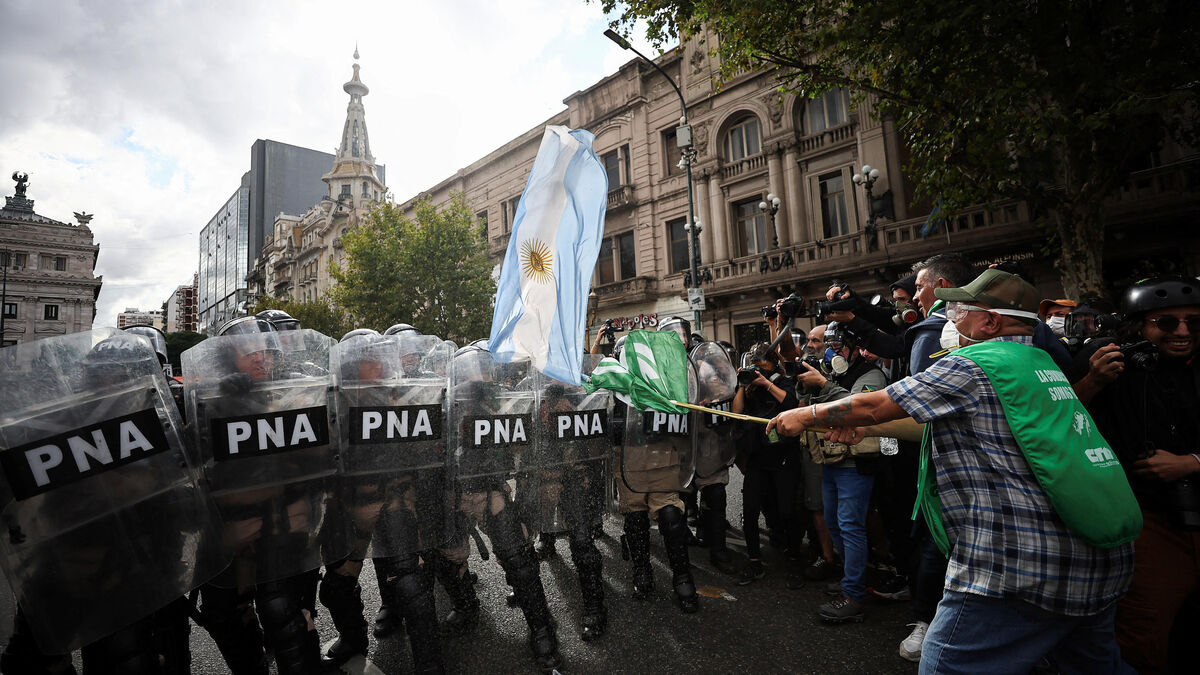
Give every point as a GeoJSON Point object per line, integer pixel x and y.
{"type": "Point", "coordinates": [760, 628]}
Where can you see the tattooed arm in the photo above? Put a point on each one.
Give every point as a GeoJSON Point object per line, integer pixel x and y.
{"type": "Point", "coordinates": [855, 411]}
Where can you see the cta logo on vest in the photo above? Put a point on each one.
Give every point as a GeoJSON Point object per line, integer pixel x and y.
{"type": "Point", "coordinates": [1101, 457]}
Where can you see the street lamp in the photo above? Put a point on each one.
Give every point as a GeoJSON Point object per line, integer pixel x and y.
{"type": "Point", "coordinates": [867, 180]}
{"type": "Point", "coordinates": [683, 139]}
{"type": "Point", "coordinates": [772, 206]}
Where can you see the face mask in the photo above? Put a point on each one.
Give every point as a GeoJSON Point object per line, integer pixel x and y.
{"type": "Point", "coordinates": [1058, 324]}
{"type": "Point", "coordinates": [949, 339]}
{"type": "Point", "coordinates": [905, 314]}
{"type": "Point", "coordinates": [836, 362]}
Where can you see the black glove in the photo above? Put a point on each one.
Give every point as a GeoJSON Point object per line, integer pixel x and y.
{"type": "Point", "coordinates": [236, 383]}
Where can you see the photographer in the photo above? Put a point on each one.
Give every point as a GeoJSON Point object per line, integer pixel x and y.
{"type": "Point", "coordinates": [772, 467]}
{"type": "Point", "coordinates": [1145, 397]}
{"type": "Point", "coordinates": [607, 337]}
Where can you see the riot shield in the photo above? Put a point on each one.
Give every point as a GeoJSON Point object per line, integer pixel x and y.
{"type": "Point", "coordinates": [261, 426]}
{"type": "Point", "coordinates": [389, 425]}
{"type": "Point", "coordinates": [562, 480]}
{"type": "Point", "coordinates": [106, 517]}
{"type": "Point", "coordinates": [716, 385]}
{"type": "Point", "coordinates": [659, 452]}
{"type": "Point", "coordinates": [491, 418]}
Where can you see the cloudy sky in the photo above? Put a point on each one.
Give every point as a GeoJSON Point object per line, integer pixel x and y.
{"type": "Point", "coordinates": [142, 112]}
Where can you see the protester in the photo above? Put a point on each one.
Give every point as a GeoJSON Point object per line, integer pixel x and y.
{"type": "Point", "coordinates": [1023, 586]}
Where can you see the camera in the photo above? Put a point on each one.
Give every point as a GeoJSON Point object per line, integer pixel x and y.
{"type": "Point", "coordinates": [746, 376]}
{"type": "Point", "coordinates": [792, 306]}
{"type": "Point", "coordinates": [815, 361]}
{"type": "Point", "coordinates": [611, 327]}
{"type": "Point", "coordinates": [1143, 355]}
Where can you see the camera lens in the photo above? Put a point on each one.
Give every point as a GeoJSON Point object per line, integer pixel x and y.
{"type": "Point", "coordinates": [769, 312]}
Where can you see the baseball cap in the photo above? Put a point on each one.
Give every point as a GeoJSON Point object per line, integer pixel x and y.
{"type": "Point", "coordinates": [1048, 303]}
{"type": "Point", "coordinates": [1007, 293]}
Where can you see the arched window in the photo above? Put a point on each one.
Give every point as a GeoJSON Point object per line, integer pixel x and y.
{"type": "Point", "coordinates": [743, 139]}
{"type": "Point", "coordinates": [827, 110]}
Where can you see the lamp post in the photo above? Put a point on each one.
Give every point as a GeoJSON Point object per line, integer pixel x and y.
{"type": "Point", "coordinates": [683, 139]}
{"type": "Point", "coordinates": [867, 179]}
{"type": "Point", "coordinates": [772, 207]}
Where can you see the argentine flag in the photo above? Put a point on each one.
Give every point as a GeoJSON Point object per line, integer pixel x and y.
{"type": "Point", "coordinates": [541, 299]}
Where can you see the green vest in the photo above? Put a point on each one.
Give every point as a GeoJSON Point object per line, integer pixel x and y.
{"type": "Point", "coordinates": [1075, 466]}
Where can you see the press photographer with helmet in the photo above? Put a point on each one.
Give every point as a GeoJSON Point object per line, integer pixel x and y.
{"type": "Point", "coordinates": [1144, 394]}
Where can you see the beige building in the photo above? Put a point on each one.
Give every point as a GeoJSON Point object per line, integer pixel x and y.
{"type": "Point", "coordinates": [295, 258]}
{"type": "Point", "coordinates": [752, 142]}
{"type": "Point", "coordinates": [132, 316]}
{"type": "Point", "coordinates": [49, 286]}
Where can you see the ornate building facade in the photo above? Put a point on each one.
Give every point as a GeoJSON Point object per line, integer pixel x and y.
{"type": "Point", "coordinates": [49, 286]}
{"type": "Point", "coordinates": [296, 256]}
{"type": "Point", "coordinates": [752, 142]}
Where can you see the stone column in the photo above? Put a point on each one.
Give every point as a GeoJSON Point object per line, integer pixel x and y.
{"type": "Point", "coordinates": [700, 194]}
{"type": "Point", "coordinates": [716, 206]}
{"type": "Point", "coordinates": [774, 186]}
{"type": "Point", "coordinates": [792, 180]}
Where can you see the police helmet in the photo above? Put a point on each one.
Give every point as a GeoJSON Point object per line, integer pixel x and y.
{"type": "Point", "coordinates": [836, 335]}
{"type": "Point", "coordinates": [357, 332]}
{"type": "Point", "coordinates": [156, 338]}
{"type": "Point", "coordinates": [620, 343]}
{"type": "Point", "coordinates": [1159, 293]}
{"type": "Point", "coordinates": [280, 319]}
{"type": "Point", "coordinates": [678, 325]}
{"type": "Point", "coordinates": [401, 328]}
{"type": "Point", "coordinates": [118, 357]}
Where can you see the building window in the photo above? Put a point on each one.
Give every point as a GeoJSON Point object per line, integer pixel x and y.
{"type": "Point", "coordinates": [366, 190]}
{"type": "Point", "coordinates": [617, 260]}
{"type": "Point", "coordinates": [827, 110]}
{"type": "Point", "coordinates": [743, 139]}
{"type": "Point", "coordinates": [50, 313]}
{"type": "Point", "coordinates": [750, 227]}
{"type": "Point", "coordinates": [346, 190]}
{"type": "Point", "coordinates": [677, 244]}
{"type": "Point", "coordinates": [510, 213]}
{"type": "Point", "coordinates": [60, 263]}
{"type": "Point", "coordinates": [628, 260]}
{"type": "Point", "coordinates": [481, 217]}
{"type": "Point", "coordinates": [612, 168]}
{"type": "Point", "coordinates": [20, 260]}
{"type": "Point", "coordinates": [833, 205]}
{"type": "Point", "coordinates": [604, 263]}
{"type": "Point", "coordinates": [672, 153]}
{"type": "Point", "coordinates": [5, 259]}
{"type": "Point", "coordinates": [10, 310]}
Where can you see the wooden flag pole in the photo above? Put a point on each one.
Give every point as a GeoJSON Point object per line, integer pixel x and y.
{"type": "Point", "coordinates": [737, 416]}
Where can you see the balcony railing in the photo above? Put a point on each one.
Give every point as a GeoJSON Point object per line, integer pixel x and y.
{"type": "Point", "coordinates": [828, 138]}
{"type": "Point", "coordinates": [636, 289]}
{"type": "Point", "coordinates": [741, 166]}
{"type": "Point", "coordinates": [620, 197]}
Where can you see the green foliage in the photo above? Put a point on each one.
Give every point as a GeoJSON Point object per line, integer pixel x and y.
{"type": "Point", "coordinates": [319, 315]}
{"type": "Point", "coordinates": [178, 343]}
{"type": "Point", "coordinates": [1053, 102]}
{"type": "Point", "coordinates": [430, 270]}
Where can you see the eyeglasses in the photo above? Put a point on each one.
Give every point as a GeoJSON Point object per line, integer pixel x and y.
{"type": "Point", "coordinates": [1168, 323]}
{"type": "Point", "coordinates": [957, 311]}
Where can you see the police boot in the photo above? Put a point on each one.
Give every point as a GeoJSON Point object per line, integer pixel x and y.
{"type": "Point", "coordinates": [229, 618]}
{"type": "Point", "coordinates": [589, 565]}
{"type": "Point", "coordinates": [342, 596]}
{"type": "Point", "coordinates": [297, 649]}
{"type": "Point", "coordinates": [459, 583]}
{"type": "Point", "coordinates": [713, 503]}
{"type": "Point", "coordinates": [414, 590]}
{"type": "Point", "coordinates": [388, 619]}
{"type": "Point", "coordinates": [521, 572]}
{"type": "Point", "coordinates": [673, 528]}
{"type": "Point", "coordinates": [172, 637]}
{"type": "Point", "coordinates": [637, 541]}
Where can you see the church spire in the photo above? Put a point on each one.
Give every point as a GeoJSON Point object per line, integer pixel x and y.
{"type": "Point", "coordinates": [354, 165]}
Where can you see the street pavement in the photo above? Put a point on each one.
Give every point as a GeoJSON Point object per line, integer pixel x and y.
{"type": "Point", "coordinates": [761, 628]}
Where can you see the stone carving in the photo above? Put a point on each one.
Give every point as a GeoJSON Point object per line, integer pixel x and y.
{"type": "Point", "coordinates": [697, 61]}
{"type": "Point", "coordinates": [83, 217]}
{"type": "Point", "coordinates": [774, 104]}
{"type": "Point", "coordinates": [22, 180]}
{"type": "Point", "coordinates": [700, 137]}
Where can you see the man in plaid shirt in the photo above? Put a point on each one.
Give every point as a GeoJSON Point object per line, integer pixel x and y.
{"type": "Point", "coordinates": [1020, 585]}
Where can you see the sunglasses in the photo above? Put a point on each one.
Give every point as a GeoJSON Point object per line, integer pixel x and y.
{"type": "Point", "coordinates": [1168, 323]}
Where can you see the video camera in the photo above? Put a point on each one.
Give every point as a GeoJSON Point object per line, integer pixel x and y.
{"type": "Point", "coordinates": [611, 328]}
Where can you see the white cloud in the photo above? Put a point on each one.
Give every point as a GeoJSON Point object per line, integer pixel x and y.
{"type": "Point", "coordinates": [143, 112]}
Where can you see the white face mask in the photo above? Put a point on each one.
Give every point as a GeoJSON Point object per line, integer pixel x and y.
{"type": "Point", "coordinates": [949, 339]}
{"type": "Point", "coordinates": [1058, 324]}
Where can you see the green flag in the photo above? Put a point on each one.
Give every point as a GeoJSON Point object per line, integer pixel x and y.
{"type": "Point", "coordinates": [652, 372]}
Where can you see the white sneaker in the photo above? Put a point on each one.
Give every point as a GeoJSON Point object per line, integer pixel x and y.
{"type": "Point", "coordinates": [910, 648]}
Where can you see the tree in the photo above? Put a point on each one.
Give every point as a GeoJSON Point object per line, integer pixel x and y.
{"type": "Point", "coordinates": [319, 315]}
{"type": "Point", "coordinates": [178, 343]}
{"type": "Point", "coordinates": [430, 270]}
{"type": "Point", "coordinates": [1053, 102]}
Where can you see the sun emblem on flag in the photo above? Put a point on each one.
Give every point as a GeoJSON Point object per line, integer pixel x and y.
{"type": "Point", "coordinates": [537, 262]}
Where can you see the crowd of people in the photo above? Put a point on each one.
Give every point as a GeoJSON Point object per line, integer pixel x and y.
{"type": "Point", "coordinates": [1021, 470]}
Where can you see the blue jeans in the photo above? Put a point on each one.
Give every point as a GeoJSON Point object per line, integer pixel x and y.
{"type": "Point", "coordinates": [976, 635]}
{"type": "Point", "coordinates": [846, 495]}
